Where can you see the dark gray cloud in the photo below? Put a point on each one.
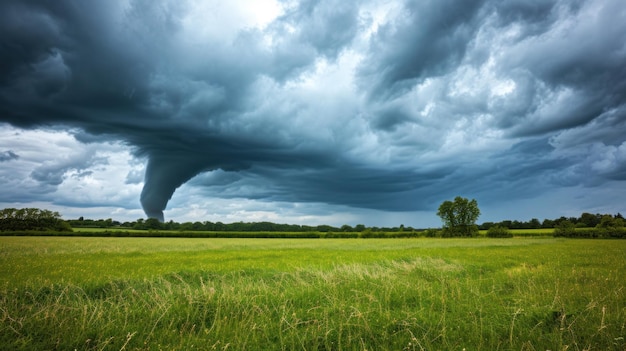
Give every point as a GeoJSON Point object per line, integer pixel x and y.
{"type": "Point", "coordinates": [8, 156]}
{"type": "Point", "coordinates": [311, 29]}
{"type": "Point", "coordinates": [380, 105]}
{"type": "Point", "coordinates": [429, 39]}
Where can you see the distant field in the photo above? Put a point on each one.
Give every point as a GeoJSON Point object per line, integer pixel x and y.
{"type": "Point", "coordinates": [532, 232]}
{"type": "Point", "coordinates": [538, 293]}
{"type": "Point", "coordinates": [96, 230]}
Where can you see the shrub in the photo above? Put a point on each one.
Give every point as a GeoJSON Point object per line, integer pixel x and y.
{"type": "Point", "coordinates": [565, 228]}
{"type": "Point", "coordinates": [432, 233]}
{"type": "Point", "coordinates": [499, 232]}
{"type": "Point", "coordinates": [611, 233]}
{"type": "Point", "coordinates": [460, 231]}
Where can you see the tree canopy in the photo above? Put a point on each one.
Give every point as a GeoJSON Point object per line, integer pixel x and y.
{"type": "Point", "coordinates": [13, 219]}
{"type": "Point", "coordinates": [459, 217]}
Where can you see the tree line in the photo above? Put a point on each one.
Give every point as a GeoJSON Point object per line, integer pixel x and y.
{"type": "Point", "coordinates": [585, 220]}
{"type": "Point", "coordinates": [608, 227]}
{"type": "Point", "coordinates": [154, 224]}
{"type": "Point", "coordinates": [458, 217]}
{"type": "Point", "coordinates": [32, 219]}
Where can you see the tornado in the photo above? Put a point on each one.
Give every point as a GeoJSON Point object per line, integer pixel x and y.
{"type": "Point", "coordinates": [164, 174]}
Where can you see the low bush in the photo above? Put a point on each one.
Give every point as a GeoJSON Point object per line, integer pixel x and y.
{"type": "Point", "coordinates": [565, 229]}
{"type": "Point", "coordinates": [499, 232]}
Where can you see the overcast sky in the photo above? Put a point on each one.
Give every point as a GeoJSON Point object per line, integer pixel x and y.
{"type": "Point", "coordinates": [313, 112]}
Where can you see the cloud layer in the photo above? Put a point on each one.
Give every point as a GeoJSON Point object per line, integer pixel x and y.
{"type": "Point", "coordinates": [391, 106]}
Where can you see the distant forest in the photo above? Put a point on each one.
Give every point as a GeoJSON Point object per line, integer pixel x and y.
{"type": "Point", "coordinates": [33, 221]}
{"type": "Point", "coordinates": [12, 219]}
{"type": "Point", "coordinates": [586, 220]}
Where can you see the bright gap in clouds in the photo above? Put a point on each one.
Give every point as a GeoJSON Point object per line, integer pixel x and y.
{"type": "Point", "coordinates": [219, 20]}
{"type": "Point", "coordinates": [260, 12]}
{"type": "Point", "coordinates": [55, 169]}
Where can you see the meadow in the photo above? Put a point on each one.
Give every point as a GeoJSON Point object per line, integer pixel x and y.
{"type": "Point", "coordinates": [107, 293]}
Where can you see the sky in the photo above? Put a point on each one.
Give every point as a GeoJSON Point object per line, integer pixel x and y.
{"type": "Point", "coordinates": [313, 112]}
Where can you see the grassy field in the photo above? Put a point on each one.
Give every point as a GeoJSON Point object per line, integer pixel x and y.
{"type": "Point", "coordinates": [311, 294]}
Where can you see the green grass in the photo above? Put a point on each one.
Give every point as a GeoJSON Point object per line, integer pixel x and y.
{"type": "Point", "coordinates": [287, 294]}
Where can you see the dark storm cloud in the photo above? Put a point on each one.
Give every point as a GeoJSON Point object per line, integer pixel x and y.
{"type": "Point", "coordinates": [437, 85]}
{"type": "Point", "coordinates": [344, 184]}
{"type": "Point", "coordinates": [8, 156]}
{"type": "Point", "coordinates": [428, 40]}
{"type": "Point", "coordinates": [538, 15]}
{"type": "Point", "coordinates": [325, 26]}
{"type": "Point", "coordinates": [580, 65]}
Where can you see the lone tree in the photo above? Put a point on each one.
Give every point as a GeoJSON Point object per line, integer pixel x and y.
{"type": "Point", "coordinates": [459, 217]}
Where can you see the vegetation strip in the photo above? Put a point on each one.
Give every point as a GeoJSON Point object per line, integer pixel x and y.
{"type": "Point", "coordinates": [459, 220]}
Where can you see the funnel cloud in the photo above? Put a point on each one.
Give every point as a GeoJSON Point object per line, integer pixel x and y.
{"type": "Point", "coordinates": [163, 176]}
{"type": "Point", "coordinates": [384, 106]}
